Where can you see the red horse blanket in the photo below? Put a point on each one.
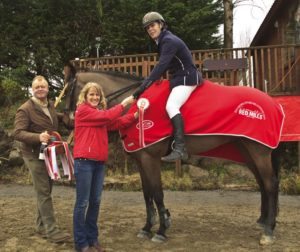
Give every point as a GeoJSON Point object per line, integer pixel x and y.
{"type": "Point", "coordinates": [212, 109]}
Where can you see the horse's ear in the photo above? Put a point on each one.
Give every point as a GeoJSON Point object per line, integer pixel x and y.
{"type": "Point", "coordinates": [69, 71]}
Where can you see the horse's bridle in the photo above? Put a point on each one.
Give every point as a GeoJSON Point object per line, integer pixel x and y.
{"type": "Point", "coordinates": [114, 95]}
{"type": "Point", "coordinates": [110, 97]}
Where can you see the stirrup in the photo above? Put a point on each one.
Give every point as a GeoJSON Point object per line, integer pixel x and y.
{"type": "Point", "coordinates": [175, 155]}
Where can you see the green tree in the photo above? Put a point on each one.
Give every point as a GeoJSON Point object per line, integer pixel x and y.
{"type": "Point", "coordinates": [13, 88]}
{"type": "Point", "coordinates": [195, 21]}
{"type": "Point", "coordinates": [41, 35]}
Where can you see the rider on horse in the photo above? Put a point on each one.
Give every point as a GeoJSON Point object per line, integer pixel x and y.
{"type": "Point", "coordinates": [175, 57]}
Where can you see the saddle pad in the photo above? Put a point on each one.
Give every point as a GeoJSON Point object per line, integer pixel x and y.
{"type": "Point", "coordinates": [212, 109]}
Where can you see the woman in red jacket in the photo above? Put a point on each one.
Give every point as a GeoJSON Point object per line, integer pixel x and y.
{"type": "Point", "coordinates": [92, 121]}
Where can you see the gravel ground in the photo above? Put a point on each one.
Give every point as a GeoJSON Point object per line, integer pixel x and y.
{"type": "Point", "coordinates": [201, 221]}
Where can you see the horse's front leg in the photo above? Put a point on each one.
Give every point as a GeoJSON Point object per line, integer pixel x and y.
{"type": "Point", "coordinates": [152, 185]}
{"type": "Point", "coordinates": [164, 223]}
{"type": "Point", "coordinates": [151, 213]}
{"type": "Point", "coordinates": [145, 232]}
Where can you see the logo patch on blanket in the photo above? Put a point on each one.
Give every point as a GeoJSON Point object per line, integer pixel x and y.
{"type": "Point", "coordinates": [212, 109]}
{"type": "Point", "coordinates": [251, 110]}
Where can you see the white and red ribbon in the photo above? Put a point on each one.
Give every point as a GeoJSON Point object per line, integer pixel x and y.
{"type": "Point", "coordinates": [66, 158]}
{"type": "Point", "coordinates": [142, 104]}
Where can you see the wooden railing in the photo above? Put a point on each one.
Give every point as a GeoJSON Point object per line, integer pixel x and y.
{"type": "Point", "coordinates": [273, 69]}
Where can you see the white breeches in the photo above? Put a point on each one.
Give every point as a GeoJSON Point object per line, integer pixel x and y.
{"type": "Point", "coordinates": [177, 98]}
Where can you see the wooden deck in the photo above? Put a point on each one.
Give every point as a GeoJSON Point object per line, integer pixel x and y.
{"type": "Point", "coordinates": [272, 69]}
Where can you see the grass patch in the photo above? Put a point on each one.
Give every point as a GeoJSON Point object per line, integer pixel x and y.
{"type": "Point", "coordinates": [290, 184]}
{"type": "Point", "coordinates": [171, 182]}
{"type": "Point", "coordinates": [215, 179]}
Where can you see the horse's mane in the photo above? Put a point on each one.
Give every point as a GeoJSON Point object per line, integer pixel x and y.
{"type": "Point", "coordinates": [113, 73]}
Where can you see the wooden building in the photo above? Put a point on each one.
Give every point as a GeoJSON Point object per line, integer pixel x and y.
{"type": "Point", "coordinates": [279, 69]}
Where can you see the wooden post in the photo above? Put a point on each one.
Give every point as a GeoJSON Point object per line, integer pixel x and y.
{"type": "Point", "coordinates": [178, 168]}
{"type": "Point", "coordinates": [299, 156]}
{"type": "Point", "coordinates": [144, 69]}
{"type": "Point", "coordinates": [125, 164]}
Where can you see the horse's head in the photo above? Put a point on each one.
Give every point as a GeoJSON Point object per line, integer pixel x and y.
{"type": "Point", "coordinates": [116, 86]}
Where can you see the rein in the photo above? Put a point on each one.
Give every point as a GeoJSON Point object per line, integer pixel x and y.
{"type": "Point", "coordinates": [116, 94]}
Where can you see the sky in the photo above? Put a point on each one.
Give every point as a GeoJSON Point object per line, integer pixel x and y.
{"type": "Point", "coordinates": [247, 20]}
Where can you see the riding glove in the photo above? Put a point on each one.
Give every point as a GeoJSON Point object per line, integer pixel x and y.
{"type": "Point", "coordinates": [146, 83]}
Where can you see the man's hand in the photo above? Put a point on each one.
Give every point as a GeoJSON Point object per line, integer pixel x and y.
{"type": "Point", "coordinates": [44, 137]}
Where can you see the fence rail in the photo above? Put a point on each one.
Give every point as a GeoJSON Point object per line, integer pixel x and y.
{"type": "Point", "coordinates": [272, 69]}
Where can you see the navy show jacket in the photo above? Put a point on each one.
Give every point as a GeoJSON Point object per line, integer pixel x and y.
{"type": "Point", "coordinates": [175, 57]}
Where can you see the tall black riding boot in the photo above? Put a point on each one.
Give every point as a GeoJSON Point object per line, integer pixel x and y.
{"type": "Point", "coordinates": [179, 150]}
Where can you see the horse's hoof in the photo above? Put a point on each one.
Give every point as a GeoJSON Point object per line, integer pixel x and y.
{"type": "Point", "coordinates": [158, 238]}
{"type": "Point", "coordinates": [266, 240]}
{"type": "Point", "coordinates": [144, 234]}
{"type": "Point", "coordinates": [261, 225]}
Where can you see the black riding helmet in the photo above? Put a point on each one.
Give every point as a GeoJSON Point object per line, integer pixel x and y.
{"type": "Point", "coordinates": [152, 17]}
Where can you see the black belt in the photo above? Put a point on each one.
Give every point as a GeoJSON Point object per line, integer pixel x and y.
{"type": "Point", "coordinates": [89, 159]}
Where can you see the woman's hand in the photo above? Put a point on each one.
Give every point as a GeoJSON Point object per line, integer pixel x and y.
{"type": "Point", "coordinates": [128, 100]}
{"type": "Point", "coordinates": [136, 114]}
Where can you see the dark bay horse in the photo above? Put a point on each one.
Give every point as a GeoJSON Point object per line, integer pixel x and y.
{"type": "Point", "coordinates": [260, 159]}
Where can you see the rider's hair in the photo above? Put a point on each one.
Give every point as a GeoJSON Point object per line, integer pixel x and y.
{"type": "Point", "coordinates": [82, 98]}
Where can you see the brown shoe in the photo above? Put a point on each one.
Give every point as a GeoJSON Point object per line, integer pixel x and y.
{"type": "Point", "coordinates": [59, 236]}
{"type": "Point", "coordinates": [98, 247]}
{"type": "Point", "coordinates": [41, 233]}
{"type": "Point", "coordinates": [86, 249]}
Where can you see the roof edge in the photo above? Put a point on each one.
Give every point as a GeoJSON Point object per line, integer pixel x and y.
{"type": "Point", "coordinates": [266, 22]}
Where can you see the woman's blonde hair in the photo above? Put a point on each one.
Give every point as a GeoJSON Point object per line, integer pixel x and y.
{"type": "Point", "coordinates": [84, 91]}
